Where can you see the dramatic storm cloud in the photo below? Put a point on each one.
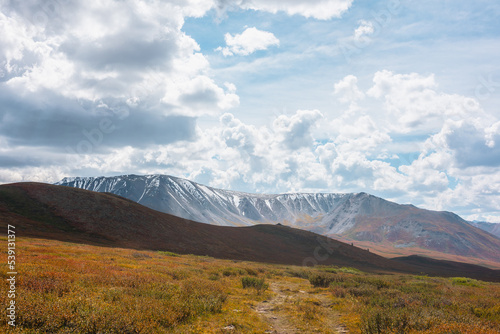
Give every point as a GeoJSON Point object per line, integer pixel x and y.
{"type": "Point", "coordinates": [393, 98]}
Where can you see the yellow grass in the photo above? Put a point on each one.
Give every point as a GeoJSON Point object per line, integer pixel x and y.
{"type": "Point", "coordinates": [72, 288]}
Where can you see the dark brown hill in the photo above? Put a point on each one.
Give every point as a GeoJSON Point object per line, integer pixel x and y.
{"type": "Point", "coordinates": [75, 215]}
{"type": "Point", "coordinates": [453, 269]}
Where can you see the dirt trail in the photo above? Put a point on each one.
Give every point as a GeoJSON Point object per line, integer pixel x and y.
{"type": "Point", "coordinates": [268, 309]}
{"type": "Point", "coordinates": [288, 293]}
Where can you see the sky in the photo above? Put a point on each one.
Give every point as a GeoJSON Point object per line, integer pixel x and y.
{"type": "Point", "coordinates": [398, 98]}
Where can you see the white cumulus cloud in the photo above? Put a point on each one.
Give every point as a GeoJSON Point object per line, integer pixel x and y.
{"type": "Point", "coordinates": [347, 89]}
{"type": "Point", "coordinates": [249, 41]}
{"type": "Point", "coordinates": [413, 102]}
{"type": "Point", "coordinates": [295, 131]}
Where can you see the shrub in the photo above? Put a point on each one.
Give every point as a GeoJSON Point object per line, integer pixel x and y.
{"type": "Point", "coordinates": [251, 271]}
{"type": "Point", "coordinates": [376, 323]}
{"type": "Point", "coordinates": [364, 290]}
{"type": "Point", "coordinates": [400, 320]}
{"type": "Point", "coordinates": [339, 292]}
{"type": "Point", "coordinates": [300, 273]}
{"type": "Point", "coordinates": [230, 271]}
{"type": "Point", "coordinates": [254, 282]}
{"type": "Point", "coordinates": [168, 253]}
{"type": "Point", "coordinates": [214, 277]}
{"type": "Point", "coordinates": [465, 281]}
{"type": "Point", "coordinates": [349, 270]}
{"type": "Point", "coordinates": [376, 282]}
{"type": "Point", "coordinates": [323, 280]}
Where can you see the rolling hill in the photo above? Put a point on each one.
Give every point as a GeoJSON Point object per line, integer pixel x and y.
{"type": "Point", "coordinates": [76, 215]}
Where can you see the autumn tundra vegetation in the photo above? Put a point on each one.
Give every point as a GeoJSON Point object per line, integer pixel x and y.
{"type": "Point", "coordinates": [67, 287]}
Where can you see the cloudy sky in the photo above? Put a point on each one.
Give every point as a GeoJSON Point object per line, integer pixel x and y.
{"type": "Point", "coordinates": [395, 98]}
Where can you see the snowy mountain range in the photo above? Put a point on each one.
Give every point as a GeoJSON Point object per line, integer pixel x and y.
{"type": "Point", "coordinates": [385, 226]}
{"type": "Point", "coordinates": [324, 213]}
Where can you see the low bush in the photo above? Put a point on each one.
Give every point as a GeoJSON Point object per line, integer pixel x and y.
{"type": "Point", "coordinates": [464, 281]}
{"type": "Point", "coordinates": [253, 282]}
{"type": "Point", "coordinates": [231, 271]}
{"type": "Point", "coordinates": [168, 253]}
{"type": "Point", "coordinates": [323, 280]}
{"type": "Point", "coordinates": [251, 271]}
{"type": "Point", "coordinates": [299, 272]}
{"type": "Point", "coordinates": [214, 276]}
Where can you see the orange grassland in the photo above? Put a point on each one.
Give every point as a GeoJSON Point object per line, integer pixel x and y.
{"type": "Point", "coordinates": [73, 288]}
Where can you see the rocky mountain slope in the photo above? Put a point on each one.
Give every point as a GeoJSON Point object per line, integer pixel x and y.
{"type": "Point", "coordinates": [386, 227]}
{"type": "Point", "coordinates": [76, 215]}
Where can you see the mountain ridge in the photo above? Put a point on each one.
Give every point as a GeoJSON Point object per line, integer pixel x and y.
{"type": "Point", "coordinates": [367, 220]}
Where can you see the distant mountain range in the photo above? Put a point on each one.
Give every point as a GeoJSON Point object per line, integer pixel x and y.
{"type": "Point", "coordinates": [385, 227]}
{"type": "Point", "coordinates": [493, 228]}
{"type": "Point", "coordinates": [81, 216]}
